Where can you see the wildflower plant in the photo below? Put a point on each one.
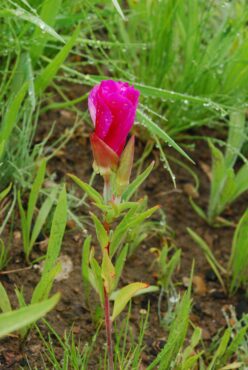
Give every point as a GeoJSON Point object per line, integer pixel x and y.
{"type": "Point", "coordinates": [112, 107]}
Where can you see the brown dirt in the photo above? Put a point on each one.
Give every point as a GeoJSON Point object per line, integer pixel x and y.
{"type": "Point", "coordinates": [207, 303]}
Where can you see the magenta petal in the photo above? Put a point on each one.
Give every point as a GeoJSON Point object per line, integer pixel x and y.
{"type": "Point", "coordinates": [133, 96]}
{"type": "Point", "coordinates": [92, 103]}
{"type": "Point", "coordinates": [123, 113]}
{"type": "Point", "coordinates": [112, 107]}
{"type": "Point", "coordinates": [104, 118]}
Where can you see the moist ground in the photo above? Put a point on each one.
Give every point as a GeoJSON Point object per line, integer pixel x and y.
{"type": "Point", "coordinates": [208, 297]}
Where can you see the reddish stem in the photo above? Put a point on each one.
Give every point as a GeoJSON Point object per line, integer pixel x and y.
{"type": "Point", "coordinates": [108, 326]}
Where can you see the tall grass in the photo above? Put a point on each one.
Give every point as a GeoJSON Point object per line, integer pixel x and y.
{"type": "Point", "coordinates": [193, 48]}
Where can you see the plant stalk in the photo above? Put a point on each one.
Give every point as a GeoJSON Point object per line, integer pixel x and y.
{"type": "Point", "coordinates": [107, 191]}
{"type": "Point", "coordinates": [108, 326]}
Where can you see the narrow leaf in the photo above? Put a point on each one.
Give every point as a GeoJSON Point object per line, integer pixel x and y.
{"type": "Point", "coordinates": [89, 190]}
{"type": "Point", "coordinates": [14, 320]}
{"type": "Point", "coordinates": [124, 295]}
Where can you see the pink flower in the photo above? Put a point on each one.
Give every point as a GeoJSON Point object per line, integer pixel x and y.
{"type": "Point", "coordinates": [112, 107]}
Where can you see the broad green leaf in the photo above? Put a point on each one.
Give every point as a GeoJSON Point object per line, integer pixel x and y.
{"type": "Point", "coordinates": [5, 305]}
{"type": "Point", "coordinates": [89, 190]}
{"type": "Point", "coordinates": [137, 182]}
{"type": "Point", "coordinates": [108, 272]}
{"type": "Point", "coordinates": [34, 194]}
{"type": "Point", "coordinates": [42, 216]}
{"type": "Point", "coordinates": [21, 13]}
{"type": "Point", "coordinates": [47, 75]}
{"type": "Point", "coordinates": [15, 320]}
{"type": "Point", "coordinates": [57, 232]}
{"type": "Point", "coordinates": [124, 295]}
{"type": "Point", "coordinates": [101, 233]}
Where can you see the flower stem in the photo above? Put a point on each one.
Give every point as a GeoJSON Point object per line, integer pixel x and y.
{"type": "Point", "coordinates": [108, 326]}
{"type": "Point", "coordinates": [107, 191]}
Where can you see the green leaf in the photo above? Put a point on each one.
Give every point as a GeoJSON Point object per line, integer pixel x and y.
{"type": "Point", "coordinates": [118, 8]}
{"type": "Point", "coordinates": [11, 114]}
{"type": "Point", "coordinates": [89, 190]}
{"type": "Point", "coordinates": [51, 268]}
{"type": "Point", "coordinates": [97, 274]}
{"type": "Point", "coordinates": [5, 192]}
{"type": "Point", "coordinates": [49, 11]}
{"type": "Point", "coordinates": [241, 183]}
{"type": "Point", "coordinates": [47, 75]}
{"type": "Point", "coordinates": [176, 337]}
{"type": "Point", "coordinates": [239, 256]}
{"type": "Point", "coordinates": [221, 349]}
{"type": "Point", "coordinates": [34, 194]}
{"type": "Point", "coordinates": [137, 182]}
{"type": "Point", "coordinates": [21, 13]}
{"type": "Point", "coordinates": [217, 181]}
{"type": "Point", "coordinates": [124, 295]}
{"type": "Point", "coordinates": [57, 232]}
{"type": "Point", "coordinates": [45, 284]}
{"type": "Point", "coordinates": [24, 74]}
{"type": "Point", "coordinates": [17, 319]}
{"type": "Point", "coordinates": [125, 167]}
{"type": "Point", "coordinates": [131, 220]}
{"type": "Point", "coordinates": [24, 225]}
{"type": "Point", "coordinates": [156, 130]}
{"type": "Point", "coordinates": [198, 210]}
{"type": "Point", "coordinates": [101, 233]}
{"type": "Point", "coordinates": [5, 305]}
{"type": "Point", "coordinates": [119, 264]}
{"type": "Point", "coordinates": [234, 345]}
{"type": "Point", "coordinates": [108, 272]}
{"type": "Point", "coordinates": [42, 216]}
{"type": "Point", "coordinates": [21, 302]}
{"type": "Point", "coordinates": [236, 137]}
{"type": "Point", "coordinates": [85, 266]}
{"type": "Point", "coordinates": [209, 255]}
